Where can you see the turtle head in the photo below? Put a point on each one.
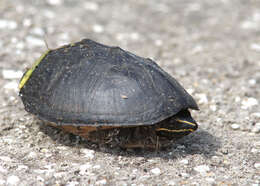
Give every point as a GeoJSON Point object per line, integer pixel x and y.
{"type": "Point", "coordinates": [177, 126]}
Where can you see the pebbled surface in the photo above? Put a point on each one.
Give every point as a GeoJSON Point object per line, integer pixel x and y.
{"type": "Point", "coordinates": [211, 47]}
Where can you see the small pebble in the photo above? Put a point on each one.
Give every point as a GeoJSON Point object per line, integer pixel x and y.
{"type": "Point", "coordinates": [88, 153]}
{"type": "Point", "coordinates": [181, 147]}
{"type": "Point", "coordinates": [97, 167]}
{"type": "Point", "coordinates": [54, 2]}
{"type": "Point", "coordinates": [63, 148]}
{"type": "Point", "coordinates": [203, 169]}
{"type": "Point", "coordinates": [252, 82]}
{"type": "Point", "coordinates": [237, 99]}
{"type": "Point", "coordinates": [185, 175]}
{"type": "Point", "coordinates": [33, 41]}
{"type": "Point", "coordinates": [248, 103]}
{"type": "Point", "coordinates": [7, 24]}
{"type": "Point", "coordinates": [22, 167]}
{"type": "Point", "coordinates": [156, 171]}
{"type": "Point", "coordinates": [226, 162]}
{"type": "Point", "coordinates": [11, 98]}
{"type": "Point", "coordinates": [11, 74]}
{"type": "Point", "coordinates": [190, 90]}
{"type": "Point", "coordinates": [197, 49]}
{"type": "Point", "coordinates": [120, 36]}
{"type": "Point", "coordinates": [92, 6]}
{"type": "Point", "coordinates": [50, 15]}
{"type": "Point", "coordinates": [144, 177]}
{"type": "Point", "coordinates": [13, 180]}
{"type": "Point", "coordinates": [255, 47]}
{"type": "Point", "coordinates": [2, 182]}
{"type": "Point", "coordinates": [116, 173]}
{"type": "Point", "coordinates": [32, 155]}
{"type": "Point", "coordinates": [5, 158]}
{"type": "Point", "coordinates": [72, 183]}
{"type": "Point", "coordinates": [193, 7]}
{"type": "Point", "coordinates": [59, 175]}
{"type": "Point", "coordinates": [20, 45]}
{"type": "Point", "coordinates": [256, 128]}
{"type": "Point", "coordinates": [257, 143]}
{"type": "Point", "coordinates": [101, 182]}
{"type": "Point", "coordinates": [219, 119]}
{"type": "Point", "coordinates": [256, 115]}
{"type": "Point", "coordinates": [257, 165]}
{"type": "Point", "coordinates": [49, 166]}
{"type": "Point", "coordinates": [210, 180]}
{"type": "Point", "coordinates": [39, 178]}
{"type": "Point", "coordinates": [84, 168]}
{"type": "Point", "coordinates": [3, 170]}
{"type": "Point", "coordinates": [216, 159]}
{"type": "Point", "coordinates": [39, 171]}
{"type": "Point", "coordinates": [213, 107]}
{"type": "Point", "coordinates": [134, 171]}
{"type": "Point", "coordinates": [158, 42]}
{"type": "Point", "coordinates": [37, 31]}
{"type": "Point", "coordinates": [98, 28]}
{"type": "Point", "coordinates": [202, 98]}
{"type": "Point", "coordinates": [254, 150]}
{"type": "Point", "coordinates": [124, 97]}
{"type": "Point", "coordinates": [171, 183]}
{"type": "Point", "coordinates": [249, 25]}
{"type": "Point", "coordinates": [184, 161]}
{"type": "Point", "coordinates": [14, 40]}
{"type": "Point", "coordinates": [205, 81]}
{"type": "Point", "coordinates": [224, 150]}
{"type": "Point", "coordinates": [135, 36]}
{"type": "Point", "coordinates": [13, 85]}
{"type": "Point", "coordinates": [177, 61]}
{"type": "Point", "coordinates": [27, 22]}
{"type": "Point", "coordinates": [44, 150]}
{"type": "Point", "coordinates": [64, 36]}
{"type": "Point", "coordinates": [235, 126]}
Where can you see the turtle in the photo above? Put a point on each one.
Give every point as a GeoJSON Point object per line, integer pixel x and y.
{"type": "Point", "coordinates": [108, 96]}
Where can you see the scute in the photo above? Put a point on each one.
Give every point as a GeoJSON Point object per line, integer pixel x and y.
{"type": "Point", "coordinates": [93, 84]}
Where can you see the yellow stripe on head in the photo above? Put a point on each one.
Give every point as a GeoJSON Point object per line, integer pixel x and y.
{"type": "Point", "coordinates": [187, 122]}
{"type": "Point", "coordinates": [30, 71]}
{"type": "Point", "coordinates": [173, 131]}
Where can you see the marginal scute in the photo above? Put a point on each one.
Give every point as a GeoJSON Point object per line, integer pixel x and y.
{"type": "Point", "coordinates": [28, 73]}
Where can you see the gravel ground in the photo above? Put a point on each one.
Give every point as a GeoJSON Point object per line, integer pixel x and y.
{"type": "Point", "coordinates": [211, 47]}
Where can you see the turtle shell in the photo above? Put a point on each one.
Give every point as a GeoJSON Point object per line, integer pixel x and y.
{"type": "Point", "coordinates": [91, 84]}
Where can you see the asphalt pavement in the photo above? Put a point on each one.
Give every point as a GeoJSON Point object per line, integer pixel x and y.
{"type": "Point", "coordinates": [211, 47]}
